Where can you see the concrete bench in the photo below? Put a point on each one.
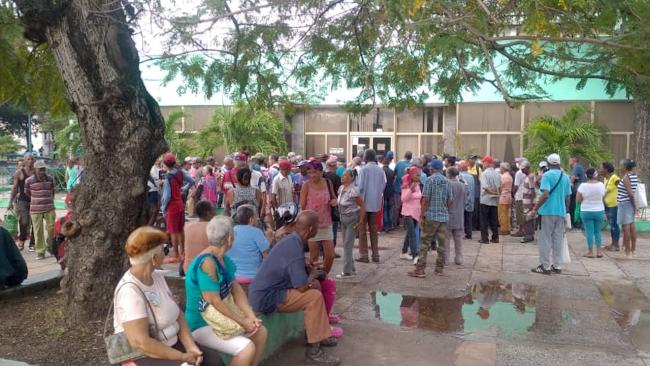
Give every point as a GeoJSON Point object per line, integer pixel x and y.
{"type": "Point", "coordinates": [281, 327]}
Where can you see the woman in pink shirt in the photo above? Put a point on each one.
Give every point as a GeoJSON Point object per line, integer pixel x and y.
{"type": "Point", "coordinates": [505, 199]}
{"type": "Point", "coordinates": [411, 196]}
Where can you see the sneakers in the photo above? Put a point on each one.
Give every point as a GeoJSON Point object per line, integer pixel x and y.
{"type": "Point", "coordinates": [346, 275]}
{"type": "Point", "coordinates": [316, 355]}
{"type": "Point", "coordinates": [406, 257]}
{"type": "Point", "coordinates": [40, 256]}
{"type": "Point", "coordinates": [418, 273]}
{"type": "Point", "coordinates": [415, 260]}
{"type": "Point", "coordinates": [331, 341]}
{"type": "Point", "coordinates": [555, 269]}
{"type": "Point", "coordinates": [32, 249]}
{"type": "Point", "coordinates": [541, 270]}
{"type": "Point", "coordinates": [362, 260]}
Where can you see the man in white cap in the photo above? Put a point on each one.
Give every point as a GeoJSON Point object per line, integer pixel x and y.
{"type": "Point", "coordinates": [40, 188]}
{"type": "Point", "coordinates": [552, 206]}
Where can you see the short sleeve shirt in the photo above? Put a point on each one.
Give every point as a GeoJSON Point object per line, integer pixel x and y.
{"type": "Point", "coordinates": [555, 204]}
{"type": "Point", "coordinates": [347, 200]}
{"type": "Point", "coordinates": [130, 305]}
{"type": "Point", "coordinates": [196, 282]}
{"type": "Point", "coordinates": [437, 189]}
{"type": "Point", "coordinates": [283, 269]}
{"type": "Point", "coordinates": [247, 249]}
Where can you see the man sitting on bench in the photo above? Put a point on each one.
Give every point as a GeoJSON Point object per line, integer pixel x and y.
{"type": "Point", "coordinates": [282, 284]}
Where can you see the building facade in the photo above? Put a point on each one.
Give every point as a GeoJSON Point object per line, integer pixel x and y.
{"type": "Point", "coordinates": [462, 129]}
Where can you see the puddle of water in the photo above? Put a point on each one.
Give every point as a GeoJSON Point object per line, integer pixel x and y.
{"type": "Point", "coordinates": [489, 308]}
{"type": "Point", "coordinates": [631, 310]}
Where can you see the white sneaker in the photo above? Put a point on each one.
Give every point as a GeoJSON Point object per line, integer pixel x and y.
{"type": "Point", "coordinates": [406, 257]}
{"type": "Point", "coordinates": [415, 260]}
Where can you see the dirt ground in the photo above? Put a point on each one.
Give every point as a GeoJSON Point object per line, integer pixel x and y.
{"type": "Point", "coordinates": [33, 330]}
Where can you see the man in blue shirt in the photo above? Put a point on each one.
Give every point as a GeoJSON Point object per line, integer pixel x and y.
{"type": "Point", "coordinates": [551, 206]}
{"type": "Point", "coordinates": [436, 200]}
{"type": "Point", "coordinates": [371, 183]}
{"type": "Point", "coordinates": [400, 170]}
{"type": "Point", "coordinates": [282, 284]}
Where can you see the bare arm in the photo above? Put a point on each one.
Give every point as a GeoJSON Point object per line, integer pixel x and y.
{"type": "Point", "coordinates": [630, 191]}
{"type": "Point", "coordinates": [213, 297]}
{"type": "Point", "coordinates": [14, 188]}
{"type": "Point", "coordinates": [241, 299]}
{"type": "Point", "coordinates": [137, 333]}
{"type": "Point", "coordinates": [303, 195]}
{"type": "Point", "coordinates": [423, 207]}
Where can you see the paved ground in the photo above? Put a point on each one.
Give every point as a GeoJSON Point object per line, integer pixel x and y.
{"type": "Point", "coordinates": [596, 313]}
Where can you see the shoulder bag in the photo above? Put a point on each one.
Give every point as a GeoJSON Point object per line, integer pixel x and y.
{"type": "Point", "coordinates": [117, 345]}
{"type": "Point", "coordinates": [334, 211]}
{"type": "Point", "coordinates": [223, 326]}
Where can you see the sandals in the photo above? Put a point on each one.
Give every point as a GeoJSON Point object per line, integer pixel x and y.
{"type": "Point", "coordinates": [589, 256]}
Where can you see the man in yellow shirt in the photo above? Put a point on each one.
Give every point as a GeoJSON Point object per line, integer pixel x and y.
{"type": "Point", "coordinates": [611, 180]}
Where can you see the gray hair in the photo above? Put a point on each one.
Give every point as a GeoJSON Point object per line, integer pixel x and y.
{"type": "Point", "coordinates": [244, 214]}
{"type": "Point", "coordinates": [218, 230]}
{"type": "Point", "coordinates": [505, 166]}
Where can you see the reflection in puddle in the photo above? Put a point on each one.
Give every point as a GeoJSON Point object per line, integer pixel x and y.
{"type": "Point", "coordinates": [631, 310]}
{"type": "Point", "coordinates": [487, 308]}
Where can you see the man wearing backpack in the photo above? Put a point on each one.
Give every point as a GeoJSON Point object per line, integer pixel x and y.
{"type": "Point", "coordinates": [172, 205]}
{"type": "Point", "coordinates": [552, 207]}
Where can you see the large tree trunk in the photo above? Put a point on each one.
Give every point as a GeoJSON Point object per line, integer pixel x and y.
{"type": "Point", "coordinates": [121, 131]}
{"type": "Point", "coordinates": [642, 133]}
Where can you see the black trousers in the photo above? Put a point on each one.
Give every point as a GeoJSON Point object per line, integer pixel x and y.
{"type": "Point", "coordinates": [476, 214]}
{"type": "Point", "coordinates": [489, 217]}
{"type": "Point", "coordinates": [469, 218]}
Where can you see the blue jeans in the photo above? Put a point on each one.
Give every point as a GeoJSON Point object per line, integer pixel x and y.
{"type": "Point", "coordinates": [412, 238]}
{"type": "Point", "coordinates": [388, 213]}
{"type": "Point", "coordinates": [614, 229]}
{"type": "Point", "coordinates": [593, 224]}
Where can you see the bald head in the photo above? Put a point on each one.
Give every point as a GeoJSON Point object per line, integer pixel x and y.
{"type": "Point", "coordinates": [306, 224]}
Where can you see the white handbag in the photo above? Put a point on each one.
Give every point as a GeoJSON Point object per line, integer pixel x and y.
{"type": "Point", "coordinates": [567, 221]}
{"type": "Point", "coordinates": [566, 256]}
{"type": "Point", "coordinates": [640, 198]}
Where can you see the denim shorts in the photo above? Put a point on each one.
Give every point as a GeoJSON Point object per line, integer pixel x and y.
{"type": "Point", "coordinates": [625, 214]}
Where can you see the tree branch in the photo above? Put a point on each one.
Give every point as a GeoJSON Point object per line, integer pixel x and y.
{"type": "Point", "coordinates": [497, 78]}
{"type": "Point", "coordinates": [566, 39]}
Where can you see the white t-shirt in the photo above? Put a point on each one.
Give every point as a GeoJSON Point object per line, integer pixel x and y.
{"type": "Point", "coordinates": [257, 181]}
{"type": "Point", "coordinates": [154, 173]}
{"type": "Point", "coordinates": [519, 182]}
{"type": "Point", "coordinates": [592, 196]}
{"type": "Point", "coordinates": [130, 305]}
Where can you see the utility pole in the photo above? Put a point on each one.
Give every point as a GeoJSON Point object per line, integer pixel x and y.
{"type": "Point", "coordinates": [29, 132]}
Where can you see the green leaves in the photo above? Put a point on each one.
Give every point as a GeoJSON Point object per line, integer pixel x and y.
{"type": "Point", "coordinates": [7, 144]}
{"type": "Point", "coordinates": [568, 136]}
{"type": "Point", "coordinates": [242, 128]}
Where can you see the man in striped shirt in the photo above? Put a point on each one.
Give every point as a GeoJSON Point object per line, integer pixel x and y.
{"type": "Point", "coordinates": [40, 188]}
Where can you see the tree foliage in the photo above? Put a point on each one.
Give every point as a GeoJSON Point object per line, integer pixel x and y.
{"type": "Point", "coordinates": [29, 78]}
{"type": "Point", "coordinates": [7, 145]}
{"type": "Point", "coordinates": [242, 128]}
{"type": "Point", "coordinates": [568, 136]}
{"type": "Point", "coordinates": [402, 52]}
{"type": "Point", "coordinates": [68, 141]}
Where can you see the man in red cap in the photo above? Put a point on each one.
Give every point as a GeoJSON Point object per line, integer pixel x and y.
{"type": "Point", "coordinates": [172, 205]}
{"type": "Point", "coordinates": [282, 186]}
{"type": "Point", "coordinates": [490, 190]}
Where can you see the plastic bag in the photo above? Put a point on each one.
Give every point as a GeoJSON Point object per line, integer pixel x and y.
{"type": "Point", "coordinates": [567, 221]}
{"type": "Point", "coordinates": [11, 222]}
{"type": "Point", "coordinates": [566, 255]}
{"type": "Point", "coordinates": [640, 198]}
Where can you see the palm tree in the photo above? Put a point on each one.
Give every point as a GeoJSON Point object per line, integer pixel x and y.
{"type": "Point", "coordinates": [177, 142]}
{"type": "Point", "coordinates": [243, 128]}
{"type": "Point", "coordinates": [568, 137]}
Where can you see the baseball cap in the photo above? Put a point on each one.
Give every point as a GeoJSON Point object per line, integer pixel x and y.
{"type": "Point", "coordinates": [285, 164]}
{"type": "Point", "coordinates": [169, 159]}
{"type": "Point", "coordinates": [543, 164]}
{"type": "Point", "coordinates": [553, 159]}
{"type": "Point", "coordinates": [40, 164]}
{"type": "Point", "coordinates": [390, 154]}
{"type": "Point", "coordinates": [332, 161]}
{"type": "Point", "coordinates": [523, 164]}
{"type": "Point", "coordinates": [436, 164]}
{"type": "Point", "coordinates": [487, 160]}
{"type": "Point", "coordinates": [303, 163]}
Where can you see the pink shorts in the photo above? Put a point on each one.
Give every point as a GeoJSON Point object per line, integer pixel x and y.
{"type": "Point", "coordinates": [175, 222]}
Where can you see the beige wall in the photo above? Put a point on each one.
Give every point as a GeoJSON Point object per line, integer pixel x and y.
{"type": "Point", "coordinates": [478, 128]}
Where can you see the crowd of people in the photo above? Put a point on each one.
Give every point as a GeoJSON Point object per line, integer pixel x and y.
{"type": "Point", "coordinates": [267, 227]}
